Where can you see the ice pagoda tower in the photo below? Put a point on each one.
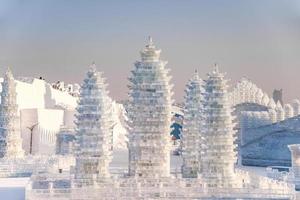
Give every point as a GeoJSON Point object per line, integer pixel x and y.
{"type": "Point", "coordinates": [93, 138]}
{"type": "Point", "coordinates": [10, 135]}
{"type": "Point", "coordinates": [149, 116]}
{"type": "Point", "coordinates": [192, 127]}
{"type": "Point", "coordinates": [219, 156]}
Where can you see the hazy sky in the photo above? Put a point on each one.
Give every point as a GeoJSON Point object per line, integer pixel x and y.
{"type": "Point", "coordinates": [58, 39]}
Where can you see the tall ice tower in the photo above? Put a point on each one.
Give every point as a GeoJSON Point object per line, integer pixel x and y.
{"type": "Point", "coordinates": [149, 113]}
{"type": "Point", "coordinates": [192, 127]}
{"type": "Point", "coordinates": [93, 138]}
{"type": "Point", "coordinates": [219, 156]}
{"type": "Point", "coordinates": [10, 136]}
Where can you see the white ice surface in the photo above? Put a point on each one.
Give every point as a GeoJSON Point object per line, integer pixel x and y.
{"type": "Point", "coordinates": [13, 188]}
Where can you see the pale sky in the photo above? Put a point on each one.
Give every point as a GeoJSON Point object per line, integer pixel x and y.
{"type": "Point", "coordinates": [59, 39]}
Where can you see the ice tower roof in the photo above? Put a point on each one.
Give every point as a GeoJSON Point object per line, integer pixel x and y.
{"type": "Point", "coordinates": [150, 53]}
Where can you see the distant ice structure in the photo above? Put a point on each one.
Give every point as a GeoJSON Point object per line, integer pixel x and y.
{"type": "Point", "coordinates": [93, 144]}
{"type": "Point", "coordinates": [149, 115]}
{"type": "Point", "coordinates": [288, 111]}
{"type": "Point", "coordinates": [252, 119]}
{"type": "Point", "coordinates": [246, 94]}
{"type": "Point", "coordinates": [10, 135]}
{"type": "Point", "coordinates": [120, 128]}
{"type": "Point", "coordinates": [192, 127]}
{"type": "Point", "coordinates": [256, 114]}
{"type": "Point", "coordinates": [246, 91]}
{"type": "Point", "coordinates": [273, 116]}
{"type": "Point", "coordinates": [277, 96]}
{"type": "Point", "coordinates": [72, 89]}
{"type": "Point", "coordinates": [280, 112]}
{"type": "Point", "coordinates": [296, 107]}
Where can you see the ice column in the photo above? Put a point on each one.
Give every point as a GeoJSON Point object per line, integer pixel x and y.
{"type": "Point", "coordinates": [295, 155]}
{"type": "Point", "coordinates": [10, 136]}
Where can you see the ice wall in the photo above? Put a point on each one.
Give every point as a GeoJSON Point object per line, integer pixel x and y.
{"type": "Point", "coordinates": [45, 124]}
{"type": "Point", "coordinates": [37, 93]}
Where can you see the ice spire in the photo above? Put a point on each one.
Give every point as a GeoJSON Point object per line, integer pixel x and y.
{"type": "Point", "coordinates": [10, 136]}
{"type": "Point", "coordinates": [93, 67]}
{"type": "Point", "coordinates": [273, 116]}
{"type": "Point", "coordinates": [219, 156]}
{"type": "Point", "coordinates": [149, 114]}
{"type": "Point", "coordinates": [296, 107]}
{"type": "Point", "coordinates": [288, 111]}
{"type": "Point", "coordinates": [272, 104]}
{"type": "Point", "coordinates": [279, 111]}
{"type": "Point", "coordinates": [150, 41]}
{"type": "Point", "coordinates": [258, 96]}
{"type": "Point", "coordinates": [216, 68]}
{"type": "Point", "coordinates": [265, 99]}
{"type": "Point", "coordinates": [192, 127]}
{"type": "Point", "coordinates": [93, 146]}
{"type": "Point", "coordinates": [150, 53]}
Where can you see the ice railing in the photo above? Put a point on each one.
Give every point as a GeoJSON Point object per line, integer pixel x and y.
{"type": "Point", "coordinates": [25, 167]}
{"type": "Point", "coordinates": [250, 179]}
{"type": "Point", "coordinates": [168, 193]}
{"type": "Point", "coordinates": [167, 189]}
{"type": "Point", "coordinates": [279, 175]}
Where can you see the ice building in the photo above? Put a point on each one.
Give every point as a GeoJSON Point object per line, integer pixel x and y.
{"type": "Point", "coordinates": [192, 127]}
{"type": "Point", "coordinates": [218, 134]}
{"type": "Point", "coordinates": [93, 138]}
{"type": "Point", "coordinates": [149, 114]}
